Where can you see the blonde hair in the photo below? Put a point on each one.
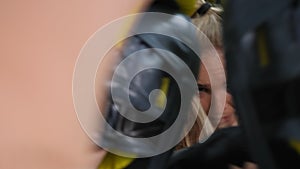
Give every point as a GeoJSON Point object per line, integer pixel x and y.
{"type": "Point", "coordinates": [202, 128]}
{"type": "Point", "coordinates": [210, 24]}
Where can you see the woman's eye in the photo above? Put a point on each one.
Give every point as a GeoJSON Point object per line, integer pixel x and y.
{"type": "Point", "coordinates": [203, 88]}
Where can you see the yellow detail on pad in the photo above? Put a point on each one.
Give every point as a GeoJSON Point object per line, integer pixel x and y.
{"type": "Point", "coordinates": [161, 98]}
{"type": "Point", "coordinates": [262, 48]}
{"type": "Point", "coordinates": [296, 145]}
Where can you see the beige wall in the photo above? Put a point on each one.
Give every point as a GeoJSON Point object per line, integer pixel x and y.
{"type": "Point", "coordinates": [40, 41]}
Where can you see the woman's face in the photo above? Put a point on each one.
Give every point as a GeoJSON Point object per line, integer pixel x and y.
{"type": "Point", "coordinates": [228, 117]}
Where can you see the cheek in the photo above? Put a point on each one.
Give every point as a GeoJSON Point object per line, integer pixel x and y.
{"type": "Point", "coordinates": [229, 109]}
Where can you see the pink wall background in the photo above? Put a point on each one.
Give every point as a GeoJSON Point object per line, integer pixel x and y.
{"type": "Point", "coordinates": [40, 41]}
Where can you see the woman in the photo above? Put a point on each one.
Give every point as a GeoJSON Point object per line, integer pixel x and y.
{"type": "Point", "coordinates": [208, 20]}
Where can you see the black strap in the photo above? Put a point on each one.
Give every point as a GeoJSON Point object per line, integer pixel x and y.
{"type": "Point", "coordinates": [204, 8]}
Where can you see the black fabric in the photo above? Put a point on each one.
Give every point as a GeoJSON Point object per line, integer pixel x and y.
{"type": "Point", "coordinates": [224, 147]}
{"type": "Point", "coordinates": [262, 54]}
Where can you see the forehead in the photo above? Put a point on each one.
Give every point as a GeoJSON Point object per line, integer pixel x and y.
{"type": "Point", "coordinates": [210, 57]}
{"type": "Point", "coordinates": [213, 52]}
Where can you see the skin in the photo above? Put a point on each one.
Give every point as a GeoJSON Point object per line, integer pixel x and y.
{"type": "Point", "coordinates": [228, 117]}
{"type": "Point", "coordinates": [40, 42]}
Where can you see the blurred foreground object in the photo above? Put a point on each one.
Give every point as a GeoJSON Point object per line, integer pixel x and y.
{"type": "Point", "coordinates": [262, 43]}
{"type": "Point", "coordinates": [145, 51]}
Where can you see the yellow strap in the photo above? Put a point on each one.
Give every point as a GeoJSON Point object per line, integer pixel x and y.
{"type": "Point", "coordinates": [188, 7]}
{"type": "Point", "coordinates": [112, 161]}
{"type": "Point", "coordinates": [126, 28]}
